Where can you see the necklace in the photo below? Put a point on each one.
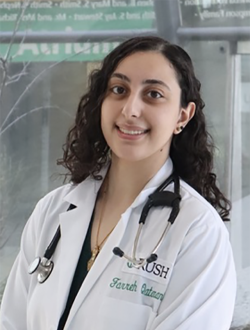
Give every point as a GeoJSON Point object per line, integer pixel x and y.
{"type": "Point", "coordinates": [97, 248]}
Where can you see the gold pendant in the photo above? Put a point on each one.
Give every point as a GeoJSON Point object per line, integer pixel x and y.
{"type": "Point", "coordinates": [94, 254]}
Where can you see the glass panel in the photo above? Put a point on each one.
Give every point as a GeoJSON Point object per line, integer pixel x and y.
{"type": "Point", "coordinates": [245, 122]}
{"type": "Point", "coordinates": [46, 54]}
{"type": "Point", "coordinates": [212, 60]}
{"type": "Point", "coordinates": [41, 82]}
{"type": "Point", "coordinates": [240, 227]}
{"type": "Point", "coordinates": [36, 112]}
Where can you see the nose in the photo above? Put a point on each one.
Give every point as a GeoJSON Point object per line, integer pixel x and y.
{"type": "Point", "coordinates": [132, 106]}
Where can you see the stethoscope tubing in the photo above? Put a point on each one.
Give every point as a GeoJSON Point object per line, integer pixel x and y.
{"type": "Point", "coordinates": [56, 238]}
{"type": "Point", "coordinates": [159, 197]}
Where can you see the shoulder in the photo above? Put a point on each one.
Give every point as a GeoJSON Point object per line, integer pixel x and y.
{"type": "Point", "coordinates": [50, 205]}
{"type": "Point", "coordinates": [45, 217]}
{"type": "Point", "coordinates": [197, 211]}
{"type": "Point", "coordinates": [58, 200]}
{"type": "Point", "coordinates": [198, 233]}
{"type": "Point", "coordinates": [56, 196]}
{"type": "Point", "coordinates": [53, 200]}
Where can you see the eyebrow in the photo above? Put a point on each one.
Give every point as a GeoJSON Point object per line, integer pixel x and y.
{"type": "Point", "coordinates": [120, 76]}
{"type": "Point", "coordinates": [156, 82]}
{"type": "Point", "coordinates": [145, 82]}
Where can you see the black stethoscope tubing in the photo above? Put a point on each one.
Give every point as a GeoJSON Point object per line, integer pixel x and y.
{"type": "Point", "coordinates": [158, 198]}
{"type": "Point", "coordinates": [53, 244]}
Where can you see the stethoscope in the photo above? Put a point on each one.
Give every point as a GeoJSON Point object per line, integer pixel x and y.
{"type": "Point", "coordinates": [158, 198]}
{"type": "Point", "coordinates": [44, 266]}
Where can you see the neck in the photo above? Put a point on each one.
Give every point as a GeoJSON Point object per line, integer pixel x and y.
{"type": "Point", "coordinates": [127, 179]}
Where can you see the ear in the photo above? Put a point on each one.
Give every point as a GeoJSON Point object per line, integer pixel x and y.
{"type": "Point", "coordinates": [186, 114]}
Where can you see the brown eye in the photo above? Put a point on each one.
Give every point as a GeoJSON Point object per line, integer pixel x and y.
{"type": "Point", "coordinates": [155, 95]}
{"type": "Point", "coordinates": [118, 90]}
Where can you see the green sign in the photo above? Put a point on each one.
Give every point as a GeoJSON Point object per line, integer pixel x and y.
{"type": "Point", "coordinates": [215, 13]}
{"type": "Point", "coordinates": [76, 15]}
{"type": "Point", "coordinates": [56, 52]}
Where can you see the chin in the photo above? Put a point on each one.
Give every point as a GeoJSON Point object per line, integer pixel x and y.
{"type": "Point", "coordinates": [130, 157]}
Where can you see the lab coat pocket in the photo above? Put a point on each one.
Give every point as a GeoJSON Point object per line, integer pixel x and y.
{"type": "Point", "coordinates": [123, 315]}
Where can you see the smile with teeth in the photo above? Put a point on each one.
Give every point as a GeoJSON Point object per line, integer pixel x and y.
{"type": "Point", "coordinates": [125, 131]}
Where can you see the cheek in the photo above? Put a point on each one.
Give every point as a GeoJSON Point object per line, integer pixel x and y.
{"type": "Point", "coordinates": [109, 113]}
{"type": "Point", "coordinates": [103, 118]}
{"type": "Point", "coordinates": [164, 124]}
{"type": "Point", "coordinates": [106, 119]}
{"type": "Point", "coordinates": [159, 119]}
{"type": "Point", "coordinates": [105, 109]}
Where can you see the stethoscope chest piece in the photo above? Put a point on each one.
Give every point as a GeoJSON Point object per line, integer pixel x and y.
{"type": "Point", "coordinates": [44, 268]}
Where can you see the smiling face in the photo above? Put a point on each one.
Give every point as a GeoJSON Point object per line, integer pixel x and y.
{"type": "Point", "coordinates": [141, 110]}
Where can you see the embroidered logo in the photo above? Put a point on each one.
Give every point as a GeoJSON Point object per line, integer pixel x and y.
{"type": "Point", "coordinates": [157, 271]}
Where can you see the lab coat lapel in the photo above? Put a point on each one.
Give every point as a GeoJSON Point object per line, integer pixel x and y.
{"type": "Point", "coordinates": [74, 225]}
{"type": "Point", "coordinates": [104, 258]}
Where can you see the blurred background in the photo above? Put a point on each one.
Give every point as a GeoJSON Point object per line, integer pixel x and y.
{"type": "Point", "coordinates": [48, 49]}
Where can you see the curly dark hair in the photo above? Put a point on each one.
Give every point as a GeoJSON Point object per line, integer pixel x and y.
{"type": "Point", "coordinates": [86, 150]}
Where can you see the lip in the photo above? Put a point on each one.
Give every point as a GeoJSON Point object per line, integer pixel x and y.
{"type": "Point", "coordinates": [131, 128]}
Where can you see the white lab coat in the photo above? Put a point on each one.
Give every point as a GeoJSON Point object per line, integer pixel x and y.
{"type": "Point", "coordinates": [191, 286]}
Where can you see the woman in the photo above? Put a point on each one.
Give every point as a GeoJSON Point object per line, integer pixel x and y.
{"type": "Point", "coordinates": [140, 120]}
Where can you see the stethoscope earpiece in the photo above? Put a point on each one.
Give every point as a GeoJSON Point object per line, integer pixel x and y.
{"type": "Point", "coordinates": [118, 252]}
{"type": "Point", "coordinates": [152, 258]}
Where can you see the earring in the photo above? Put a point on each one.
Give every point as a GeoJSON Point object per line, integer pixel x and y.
{"type": "Point", "coordinates": [180, 128]}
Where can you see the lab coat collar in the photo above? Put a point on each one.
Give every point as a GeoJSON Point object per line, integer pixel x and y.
{"type": "Point", "coordinates": [164, 172]}
{"type": "Point", "coordinates": [76, 195]}
{"type": "Point", "coordinates": [78, 192]}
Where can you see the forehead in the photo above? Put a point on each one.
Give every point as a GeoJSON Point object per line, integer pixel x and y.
{"type": "Point", "coordinates": [147, 65]}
